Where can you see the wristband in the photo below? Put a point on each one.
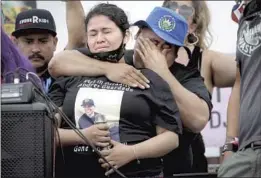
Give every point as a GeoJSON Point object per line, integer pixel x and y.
{"type": "Point", "coordinates": [231, 146]}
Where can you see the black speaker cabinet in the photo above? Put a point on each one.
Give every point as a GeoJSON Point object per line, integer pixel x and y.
{"type": "Point", "coordinates": [26, 141]}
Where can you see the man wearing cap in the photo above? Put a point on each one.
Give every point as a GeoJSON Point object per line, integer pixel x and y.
{"type": "Point", "coordinates": [162, 32]}
{"type": "Point", "coordinates": [35, 36]}
{"type": "Point", "coordinates": [90, 116]}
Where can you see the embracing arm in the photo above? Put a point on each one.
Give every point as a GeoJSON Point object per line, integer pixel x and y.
{"type": "Point", "coordinates": [74, 63]}
{"type": "Point", "coordinates": [223, 68]}
{"type": "Point", "coordinates": [194, 111]}
{"type": "Point", "coordinates": [75, 26]}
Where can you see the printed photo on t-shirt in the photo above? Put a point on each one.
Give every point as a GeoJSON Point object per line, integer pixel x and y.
{"type": "Point", "coordinates": [93, 106]}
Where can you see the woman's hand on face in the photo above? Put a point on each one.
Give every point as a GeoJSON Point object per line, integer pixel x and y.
{"type": "Point", "coordinates": [152, 57]}
{"type": "Point", "coordinates": [126, 74]}
{"type": "Point", "coordinates": [98, 134]}
{"type": "Point", "coordinates": [118, 156]}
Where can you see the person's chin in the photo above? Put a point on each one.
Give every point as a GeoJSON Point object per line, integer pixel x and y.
{"type": "Point", "coordinates": [37, 64]}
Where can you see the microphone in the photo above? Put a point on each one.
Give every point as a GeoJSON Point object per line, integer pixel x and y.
{"type": "Point", "coordinates": [100, 119]}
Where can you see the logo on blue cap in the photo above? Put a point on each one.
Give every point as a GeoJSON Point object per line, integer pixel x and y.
{"type": "Point", "coordinates": [167, 23]}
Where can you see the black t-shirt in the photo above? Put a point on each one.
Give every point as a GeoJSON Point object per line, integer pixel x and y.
{"type": "Point", "coordinates": [131, 113]}
{"type": "Point", "coordinates": [180, 159]}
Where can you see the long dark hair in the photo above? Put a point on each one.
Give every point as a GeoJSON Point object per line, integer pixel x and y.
{"type": "Point", "coordinates": [113, 12]}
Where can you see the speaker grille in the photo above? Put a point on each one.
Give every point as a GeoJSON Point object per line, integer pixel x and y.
{"type": "Point", "coordinates": [23, 144]}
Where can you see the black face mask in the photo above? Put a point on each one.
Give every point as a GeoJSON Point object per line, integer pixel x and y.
{"type": "Point", "coordinates": [110, 56]}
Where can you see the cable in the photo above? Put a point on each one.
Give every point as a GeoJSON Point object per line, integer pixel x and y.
{"type": "Point", "coordinates": [67, 120]}
{"type": "Point", "coordinates": [6, 75]}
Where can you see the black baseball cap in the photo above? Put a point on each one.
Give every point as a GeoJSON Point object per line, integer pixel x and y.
{"type": "Point", "coordinates": [87, 102]}
{"type": "Point", "coordinates": [38, 19]}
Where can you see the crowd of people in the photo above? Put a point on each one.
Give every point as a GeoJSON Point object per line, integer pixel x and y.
{"type": "Point", "coordinates": [156, 96]}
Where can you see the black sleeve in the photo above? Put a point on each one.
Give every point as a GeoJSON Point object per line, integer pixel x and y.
{"type": "Point", "coordinates": [57, 90]}
{"type": "Point", "coordinates": [84, 51]}
{"type": "Point", "coordinates": [197, 86]}
{"type": "Point", "coordinates": [165, 107]}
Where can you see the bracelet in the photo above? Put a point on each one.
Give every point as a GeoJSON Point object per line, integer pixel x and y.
{"type": "Point", "coordinates": [134, 152]}
{"type": "Point", "coordinates": [232, 146]}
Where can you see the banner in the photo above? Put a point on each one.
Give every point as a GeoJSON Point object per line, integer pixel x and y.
{"type": "Point", "coordinates": [11, 9]}
{"type": "Point", "coordinates": [214, 133]}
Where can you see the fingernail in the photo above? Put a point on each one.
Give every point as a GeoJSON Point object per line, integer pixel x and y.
{"type": "Point", "coordinates": [147, 86]}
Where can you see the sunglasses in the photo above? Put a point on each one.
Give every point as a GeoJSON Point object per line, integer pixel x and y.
{"type": "Point", "coordinates": [184, 10]}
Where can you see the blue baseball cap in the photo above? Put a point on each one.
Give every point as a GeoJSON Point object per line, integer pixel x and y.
{"type": "Point", "coordinates": [167, 24]}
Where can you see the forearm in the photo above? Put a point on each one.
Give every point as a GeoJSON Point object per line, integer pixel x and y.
{"type": "Point", "coordinates": [73, 63]}
{"type": "Point", "coordinates": [193, 110]}
{"type": "Point", "coordinates": [158, 146]}
{"type": "Point", "coordinates": [75, 26]}
{"type": "Point", "coordinates": [223, 69]}
{"type": "Point", "coordinates": [68, 137]}
{"type": "Point", "coordinates": [233, 113]}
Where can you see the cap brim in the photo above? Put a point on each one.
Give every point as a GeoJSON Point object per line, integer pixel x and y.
{"type": "Point", "coordinates": [86, 105]}
{"type": "Point", "coordinates": [161, 34]}
{"type": "Point", "coordinates": [20, 32]}
{"type": "Point", "coordinates": [167, 37]}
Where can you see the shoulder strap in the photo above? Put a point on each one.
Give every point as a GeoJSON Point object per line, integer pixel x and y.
{"type": "Point", "coordinates": [196, 58]}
